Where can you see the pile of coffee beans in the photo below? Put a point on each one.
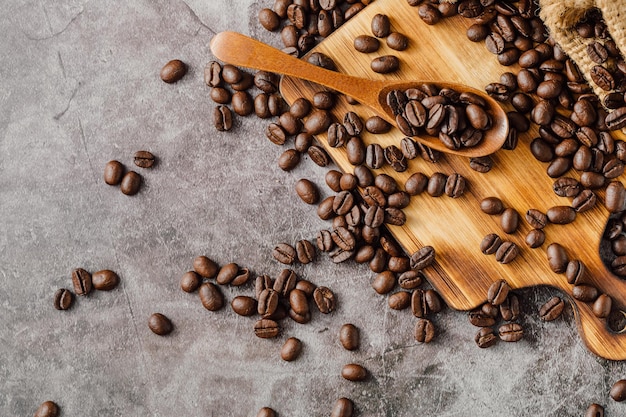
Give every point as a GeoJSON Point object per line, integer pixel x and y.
{"type": "Point", "coordinates": [84, 283]}
{"type": "Point", "coordinates": [458, 119]}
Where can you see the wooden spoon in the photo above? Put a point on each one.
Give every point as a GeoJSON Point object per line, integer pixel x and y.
{"type": "Point", "coordinates": [237, 49]}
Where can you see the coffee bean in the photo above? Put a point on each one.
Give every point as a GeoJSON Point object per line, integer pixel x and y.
{"type": "Point", "coordinates": [602, 306]}
{"type": "Point", "coordinates": [397, 41]}
{"type": "Point", "coordinates": [424, 331]}
{"type": "Point", "coordinates": [266, 329]}
{"type": "Point", "coordinates": [318, 155]}
{"type": "Point", "coordinates": [144, 159]}
{"type": "Point", "coordinates": [618, 390]}
{"type": "Point", "coordinates": [318, 122]}
{"type": "Point", "coordinates": [289, 159]}
{"type": "Point", "coordinates": [205, 267]}
{"type": "Point", "coordinates": [498, 292]}
{"type": "Point", "coordinates": [510, 309]}
{"type": "Point", "coordinates": [284, 253]}
{"type": "Point", "coordinates": [385, 64]}
{"type": "Point", "coordinates": [211, 296]}
{"type": "Point", "coordinates": [354, 372]}
{"type": "Point", "coordinates": [47, 409]}
{"type": "Point", "coordinates": [436, 184]}
{"type": "Point", "coordinates": [585, 293]}
{"type": "Point", "coordinates": [305, 252]}
{"type": "Point", "coordinates": [160, 324]}
{"type": "Point", "coordinates": [479, 319]}
{"type": "Point", "coordinates": [509, 220]}
{"type": "Point", "coordinates": [616, 119]}
{"type": "Point", "coordinates": [244, 305]}
{"type": "Point", "coordinates": [324, 299]}
{"type": "Point", "coordinates": [130, 183]}
{"type": "Point", "coordinates": [507, 252]}
{"type": "Point", "coordinates": [81, 280]}
{"type": "Point", "coordinates": [615, 197]}
{"type": "Point", "coordinates": [173, 71]}
{"type": "Point", "coordinates": [422, 258]}
{"type": "Point", "coordinates": [561, 214]}
{"type": "Point", "coordinates": [594, 410]}
{"type": "Point", "coordinates": [113, 172]}
{"type": "Point", "coordinates": [490, 244]}
{"type": "Point", "coordinates": [242, 103]}
{"type": "Point", "coordinates": [535, 238]}
{"type": "Point", "coordinates": [602, 78]}
{"type": "Point", "coordinates": [105, 280]}
{"type": "Point", "coordinates": [269, 19]}
{"type": "Point", "coordinates": [485, 338]}
{"type": "Point", "coordinates": [343, 407]}
{"type": "Point", "coordinates": [349, 336]}
{"type": "Point", "coordinates": [266, 412]}
{"type": "Point", "coordinates": [381, 26]}
{"type": "Point", "coordinates": [410, 279]}
{"type": "Point", "coordinates": [551, 309]}
{"type": "Point", "coordinates": [492, 205]}
{"type": "Point", "coordinates": [511, 332]}
{"type": "Point", "coordinates": [566, 187]}
{"type": "Point", "coordinates": [298, 302]}
{"type": "Point", "coordinates": [307, 191]}
{"type": "Point", "coordinates": [557, 258]}
{"type": "Point", "coordinates": [586, 200]}
{"type": "Point", "coordinates": [384, 282]}
{"type": "Point", "coordinates": [536, 219]}
{"type": "Point", "coordinates": [222, 118]}
{"type": "Point", "coordinates": [227, 273]}
{"type": "Point", "coordinates": [63, 299]}
{"type": "Point", "coordinates": [399, 300]}
{"type": "Point", "coordinates": [291, 349]}
{"type": "Point", "coordinates": [213, 74]}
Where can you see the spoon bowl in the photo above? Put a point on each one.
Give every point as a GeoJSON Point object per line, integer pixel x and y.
{"type": "Point", "coordinates": [240, 50]}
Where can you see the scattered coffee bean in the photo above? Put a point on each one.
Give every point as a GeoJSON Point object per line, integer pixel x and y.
{"type": "Point", "coordinates": [173, 71]}
{"type": "Point", "coordinates": [552, 309]}
{"type": "Point", "coordinates": [343, 408]}
{"type": "Point", "coordinates": [211, 296]}
{"type": "Point", "coordinates": [424, 331]}
{"type": "Point", "coordinates": [205, 267]}
{"type": "Point", "coordinates": [535, 238]}
{"type": "Point", "coordinates": [307, 191]}
{"type": "Point", "coordinates": [399, 300]}
{"type": "Point", "coordinates": [113, 172]}
{"type": "Point", "coordinates": [222, 118]}
{"type": "Point", "coordinates": [485, 337]}
{"type": "Point", "coordinates": [509, 220]}
{"type": "Point", "coordinates": [354, 372]}
{"type": "Point", "coordinates": [498, 292]}
{"type": "Point", "coordinates": [284, 253]}
{"type": "Point", "coordinates": [385, 64]}
{"type": "Point", "coordinates": [105, 280]}
{"type": "Point", "coordinates": [291, 349]}
{"type": "Point", "coordinates": [585, 293]}
{"type": "Point", "coordinates": [511, 332]}
{"type": "Point", "coordinates": [81, 280]}
{"type": "Point", "coordinates": [561, 214]}
{"type": "Point", "coordinates": [47, 409]}
{"type": "Point", "coordinates": [160, 324]}
{"type": "Point", "coordinates": [130, 183]}
{"type": "Point", "coordinates": [266, 329]}
{"type": "Point", "coordinates": [422, 258]}
{"type": "Point", "coordinates": [602, 306]}
{"type": "Point", "coordinates": [266, 412]}
{"type": "Point", "coordinates": [397, 41]}
{"type": "Point", "coordinates": [349, 336]}
{"type": "Point", "coordinates": [244, 305]}
{"type": "Point", "coordinates": [618, 390]}
{"type": "Point", "coordinates": [324, 299]}
{"type": "Point", "coordinates": [492, 205]}
{"type": "Point", "coordinates": [594, 410]}
{"type": "Point", "coordinates": [63, 299]}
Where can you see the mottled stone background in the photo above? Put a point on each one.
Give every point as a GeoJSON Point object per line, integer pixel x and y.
{"type": "Point", "coordinates": [79, 87]}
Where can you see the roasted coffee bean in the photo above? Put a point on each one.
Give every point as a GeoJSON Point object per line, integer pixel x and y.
{"type": "Point", "coordinates": [511, 332]}
{"type": "Point", "coordinates": [385, 64]}
{"type": "Point", "coordinates": [321, 60]}
{"type": "Point", "coordinates": [343, 406]}
{"type": "Point", "coordinates": [290, 124]}
{"type": "Point", "coordinates": [433, 301]}
{"type": "Point", "coordinates": [222, 118]}
{"type": "Point", "coordinates": [47, 409]}
{"type": "Point", "coordinates": [291, 349]}
{"type": "Point", "coordinates": [436, 184]}
{"type": "Point", "coordinates": [399, 300]}
{"type": "Point", "coordinates": [343, 238]}
{"type": "Point", "coordinates": [160, 324]}
{"type": "Point", "coordinates": [231, 74]}
{"type": "Point", "coordinates": [269, 19]}
{"type": "Point", "coordinates": [113, 172]}
{"type": "Point", "coordinates": [244, 305]}
{"type": "Point", "coordinates": [557, 258]}
{"type": "Point", "coordinates": [423, 258]}
{"type": "Point", "coordinates": [261, 106]}
{"type": "Point", "coordinates": [535, 238]}
{"type": "Point", "coordinates": [284, 253]}
{"type": "Point", "coordinates": [354, 372]}
{"type": "Point", "coordinates": [211, 296]}
{"type": "Point", "coordinates": [424, 331]}
{"type": "Point", "coordinates": [82, 282]}
{"type": "Point", "coordinates": [144, 159]}
{"type": "Point", "coordinates": [266, 329]}
{"type": "Point", "coordinates": [419, 306]}
{"type": "Point", "coordinates": [602, 78]}
{"type": "Point", "coordinates": [261, 283]}
{"type": "Point", "coordinates": [498, 292]}
{"type": "Point", "coordinates": [509, 309]}
{"type": "Point", "coordinates": [381, 26]}
{"type": "Point", "coordinates": [410, 279]}
{"type": "Point", "coordinates": [616, 119]}
{"type": "Point", "coordinates": [384, 282]}
{"type": "Point", "coordinates": [307, 191]}
{"type": "Point", "coordinates": [379, 261]}
{"type": "Point", "coordinates": [561, 214]}
{"type": "Point", "coordinates": [305, 252]}
{"type": "Point", "coordinates": [130, 183]}
{"type": "Point", "coordinates": [63, 299]}
{"type": "Point", "coordinates": [492, 205]}
{"type": "Point", "coordinates": [615, 197]}
{"type": "Point", "coordinates": [455, 186]}
{"type": "Point", "coordinates": [285, 282]}
{"type": "Point", "coordinates": [386, 183]}
{"type": "Point", "coordinates": [397, 41]}
{"type": "Point", "coordinates": [558, 167]}
{"type": "Point", "coordinates": [227, 273]}
{"type": "Point", "coordinates": [477, 32]}
{"type": "Point", "coordinates": [585, 293]}
{"type": "Point", "coordinates": [289, 159]}
{"type": "Point", "coordinates": [173, 71]}
{"type": "Point", "coordinates": [416, 183]}
{"type": "Point", "coordinates": [318, 122]}
{"type": "Point", "coordinates": [594, 410]}
{"type": "Point", "coordinates": [479, 319]}
{"type": "Point", "coordinates": [509, 220]}
{"type": "Point", "coordinates": [567, 147]}
{"type": "Point", "coordinates": [325, 208]}
{"type": "Point", "coordinates": [602, 306]}
{"type": "Point", "coordinates": [105, 280]}
{"type": "Point", "coordinates": [395, 158]}
{"type": "Point", "coordinates": [536, 219]}
{"type": "Point", "coordinates": [324, 100]}
{"type": "Point", "coordinates": [575, 271]}
{"type": "Point", "coordinates": [205, 267]}
{"type": "Point", "coordinates": [507, 252]}
{"type": "Point", "coordinates": [324, 299]}
{"type": "Point", "coordinates": [213, 74]}
{"type": "Point", "coordinates": [490, 244]}
{"type": "Point", "coordinates": [318, 155]}
{"type": "Point", "coordinates": [266, 412]}
{"type": "Point", "coordinates": [618, 390]}
{"type": "Point", "coordinates": [364, 254]}
{"type": "Point", "coordinates": [566, 187]}
{"type": "Point", "coordinates": [298, 302]}
{"type": "Point", "coordinates": [349, 336]}
{"type": "Point", "coordinates": [552, 309]}
{"type": "Point", "coordinates": [618, 266]}
{"type": "Point", "coordinates": [300, 108]}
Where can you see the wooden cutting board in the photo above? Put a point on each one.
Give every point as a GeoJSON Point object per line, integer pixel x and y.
{"type": "Point", "coordinates": [455, 227]}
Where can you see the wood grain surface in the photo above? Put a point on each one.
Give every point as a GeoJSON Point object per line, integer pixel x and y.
{"type": "Point", "coordinates": [455, 227]}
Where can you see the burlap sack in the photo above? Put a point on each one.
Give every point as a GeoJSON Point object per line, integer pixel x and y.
{"type": "Point", "coordinates": [561, 17]}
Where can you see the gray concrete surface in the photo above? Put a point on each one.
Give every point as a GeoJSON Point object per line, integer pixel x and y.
{"type": "Point", "coordinates": [79, 87]}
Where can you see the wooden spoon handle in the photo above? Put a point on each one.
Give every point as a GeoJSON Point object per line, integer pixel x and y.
{"type": "Point", "coordinates": [237, 49]}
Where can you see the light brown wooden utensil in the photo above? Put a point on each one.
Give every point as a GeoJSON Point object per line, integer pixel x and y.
{"type": "Point", "coordinates": [237, 49]}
